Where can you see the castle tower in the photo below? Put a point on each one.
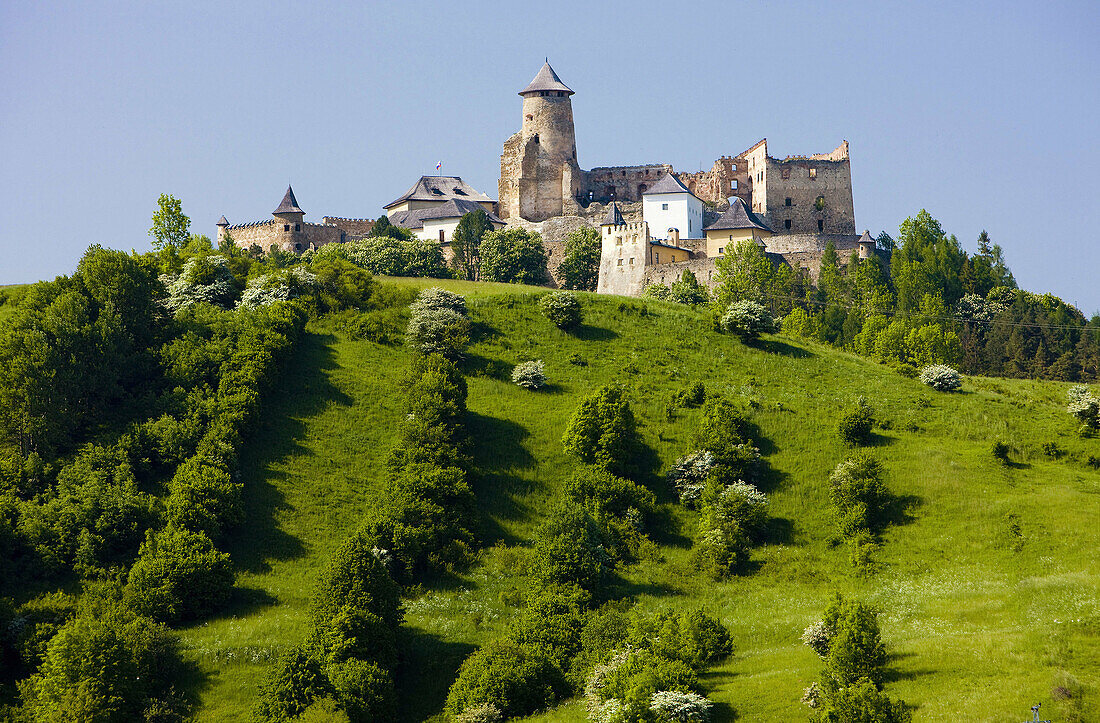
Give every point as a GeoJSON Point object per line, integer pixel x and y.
{"type": "Point", "coordinates": [292, 218]}
{"type": "Point", "coordinates": [539, 175]}
{"type": "Point", "coordinates": [625, 254]}
{"type": "Point", "coordinates": [222, 224]}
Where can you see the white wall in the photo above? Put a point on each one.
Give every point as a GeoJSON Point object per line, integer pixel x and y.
{"type": "Point", "coordinates": [433, 226]}
{"type": "Point", "coordinates": [685, 213]}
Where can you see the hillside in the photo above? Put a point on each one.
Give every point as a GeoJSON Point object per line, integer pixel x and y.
{"type": "Point", "coordinates": [987, 585]}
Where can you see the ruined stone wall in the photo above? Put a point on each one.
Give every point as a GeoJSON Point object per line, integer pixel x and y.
{"type": "Point", "coordinates": [621, 183]}
{"type": "Point", "coordinates": [728, 177]}
{"type": "Point", "coordinates": [795, 185]}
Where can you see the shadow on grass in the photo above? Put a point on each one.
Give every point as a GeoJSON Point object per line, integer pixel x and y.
{"type": "Point", "coordinates": [879, 440]}
{"type": "Point", "coordinates": [584, 332]}
{"type": "Point", "coordinates": [497, 451]}
{"type": "Point", "coordinates": [899, 509]}
{"type": "Point", "coordinates": [475, 365]}
{"type": "Point", "coordinates": [480, 331]}
{"type": "Point", "coordinates": [782, 348]}
{"type": "Point", "coordinates": [777, 531]}
{"type": "Point", "coordinates": [275, 437]}
{"type": "Point", "coordinates": [245, 601]}
{"type": "Point", "coordinates": [618, 587]}
{"type": "Point", "coordinates": [891, 674]}
{"type": "Point", "coordinates": [427, 668]}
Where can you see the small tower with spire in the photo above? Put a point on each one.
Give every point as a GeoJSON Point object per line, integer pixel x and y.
{"type": "Point", "coordinates": [289, 219]}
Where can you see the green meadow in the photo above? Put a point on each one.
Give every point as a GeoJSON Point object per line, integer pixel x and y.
{"type": "Point", "coordinates": [987, 582]}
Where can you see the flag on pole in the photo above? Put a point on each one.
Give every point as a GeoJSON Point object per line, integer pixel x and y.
{"type": "Point", "coordinates": [439, 166]}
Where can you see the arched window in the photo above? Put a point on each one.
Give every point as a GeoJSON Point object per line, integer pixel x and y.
{"type": "Point", "coordinates": [641, 189]}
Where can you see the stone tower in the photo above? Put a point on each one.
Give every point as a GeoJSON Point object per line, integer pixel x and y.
{"type": "Point", "coordinates": [539, 175]}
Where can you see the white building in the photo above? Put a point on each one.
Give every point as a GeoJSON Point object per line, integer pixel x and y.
{"type": "Point", "coordinates": [432, 208]}
{"type": "Point", "coordinates": [668, 206]}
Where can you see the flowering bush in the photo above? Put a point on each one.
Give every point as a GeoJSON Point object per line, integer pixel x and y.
{"type": "Point", "coordinates": [1084, 406]}
{"type": "Point", "coordinates": [681, 707]}
{"type": "Point", "coordinates": [204, 279]}
{"type": "Point", "coordinates": [438, 331]}
{"type": "Point", "coordinates": [278, 286]}
{"type": "Point", "coordinates": [656, 291]}
{"type": "Point", "coordinates": [563, 308]}
{"type": "Point", "coordinates": [689, 474]}
{"type": "Point", "coordinates": [817, 637]}
{"type": "Point", "coordinates": [941, 378]}
{"type": "Point", "coordinates": [530, 375]}
{"type": "Point", "coordinates": [483, 713]}
{"type": "Point", "coordinates": [434, 298]}
{"type": "Point", "coordinates": [748, 320]}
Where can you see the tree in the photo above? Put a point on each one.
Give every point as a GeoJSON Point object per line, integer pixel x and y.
{"type": "Point", "coordinates": [513, 256]}
{"type": "Point", "coordinates": [171, 229]}
{"type": "Point", "coordinates": [927, 261]}
{"type": "Point", "coordinates": [744, 272]}
{"type": "Point", "coordinates": [688, 290]}
{"type": "Point", "coordinates": [384, 228]}
{"type": "Point", "coordinates": [466, 244]}
{"type": "Point", "coordinates": [748, 320]}
{"type": "Point", "coordinates": [179, 575]}
{"type": "Point", "coordinates": [603, 432]}
{"type": "Point", "coordinates": [580, 269]}
{"type": "Point", "coordinates": [563, 308]}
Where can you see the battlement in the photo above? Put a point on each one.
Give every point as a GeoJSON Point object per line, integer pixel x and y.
{"type": "Point", "coordinates": [627, 227]}
{"type": "Point", "coordinates": [840, 153]}
{"type": "Point", "coordinates": [251, 224]}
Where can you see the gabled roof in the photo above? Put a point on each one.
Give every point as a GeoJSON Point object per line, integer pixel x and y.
{"type": "Point", "coordinates": [614, 217]}
{"type": "Point", "coordinates": [668, 184]}
{"type": "Point", "coordinates": [738, 216]}
{"type": "Point", "coordinates": [222, 222]}
{"type": "Point", "coordinates": [440, 188]}
{"type": "Point", "coordinates": [289, 204]}
{"type": "Point", "coordinates": [455, 208]}
{"type": "Point", "coordinates": [546, 79]}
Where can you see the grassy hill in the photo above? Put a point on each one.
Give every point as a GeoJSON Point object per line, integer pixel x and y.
{"type": "Point", "coordinates": [988, 585]}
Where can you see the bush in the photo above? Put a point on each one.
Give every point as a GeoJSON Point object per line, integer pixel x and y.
{"type": "Point", "coordinates": [569, 550]}
{"type": "Point", "coordinates": [179, 576]}
{"type": "Point", "coordinates": [680, 707]}
{"type": "Point", "coordinates": [551, 623]}
{"type": "Point", "coordinates": [999, 450]}
{"type": "Point", "coordinates": [748, 320]}
{"type": "Point", "coordinates": [484, 713]}
{"type": "Point", "coordinates": [438, 331]}
{"type": "Point", "coordinates": [529, 375]}
{"type": "Point", "coordinates": [689, 474]}
{"type": "Point", "coordinates": [364, 690]}
{"type": "Point", "coordinates": [435, 298]}
{"type": "Point", "coordinates": [206, 279]}
{"type": "Point", "coordinates": [856, 423]}
{"type": "Point", "coordinates": [603, 432]}
{"type": "Point", "coordinates": [738, 503]}
{"type": "Point", "coordinates": [1084, 406]}
{"type": "Point", "coordinates": [295, 683]}
{"type": "Point", "coordinates": [859, 702]}
{"type": "Point", "coordinates": [656, 291]}
{"type": "Point", "coordinates": [516, 680]}
{"type": "Point", "coordinates": [356, 579]}
{"type": "Point", "coordinates": [817, 637]}
{"type": "Point", "coordinates": [724, 433]}
{"type": "Point", "coordinates": [693, 637]}
{"type": "Point", "coordinates": [859, 495]}
{"type": "Point", "coordinates": [688, 290]}
{"type": "Point", "coordinates": [941, 378]}
{"type": "Point", "coordinates": [563, 308]}
{"type": "Point", "coordinates": [279, 286]}
{"type": "Point", "coordinates": [618, 505]}
{"type": "Point", "coordinates": [695, 395]}
{"type": "Point", "coordinates": [720, 551]}
{"type": "Point", "coordinates": [855, 648]}
{"type": "Point", "coordinates": [632, 678]}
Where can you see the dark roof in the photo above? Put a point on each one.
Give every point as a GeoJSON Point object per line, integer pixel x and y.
{"type": "Point", "coordinates": [546, 79]}
{"type": "Point", "coordinates": [455, 208]}
{"type": "Point", "coordinates": [665, 244]}
{"type": "Point", "coordinates": [668, 184]}
{"type": "Point", "coordinates": [866, 238]}
{"type": "Point", "coordinates": [738, 216]}
{"type": "Point", "coordinates": [222, 222]}
{"type": "Point", "coordinates": [440, 188]}
{"type": "Point", "coordinates": [614, 217]}
{"type": "Point", "coordinates": [289, 204]}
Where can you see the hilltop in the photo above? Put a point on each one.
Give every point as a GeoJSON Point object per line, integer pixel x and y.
{"type": "Point", "coordinates": [986, 582]}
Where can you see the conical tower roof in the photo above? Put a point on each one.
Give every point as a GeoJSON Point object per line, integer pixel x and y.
{"type": "Point", "coordinates": [289, 204]}
{"type": "Point", "coordinates": [546, 79]}
{"type": "Point", "coordinates": [614, 217]}
{"type": "Point", "coordinates": [222, 222]}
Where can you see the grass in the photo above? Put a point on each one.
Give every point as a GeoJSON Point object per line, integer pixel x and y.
{"type": "Point", "coordinates": [987, 582]}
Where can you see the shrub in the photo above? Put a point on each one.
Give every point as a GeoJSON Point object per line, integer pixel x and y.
{"type": "Point", "coordinates": [355, 634]}
{"type": "Point", "coordinates": [859, 495]}
{"type": "Point", "coordinates": [529, 375]}
{"type": "Point", "coordinates": [551, 623]}
{"type": "Point", "coordinates": [941, 378]}
{"type": "Point", "coordinates": [204, 279]}
{"type": "Point", "coordinates": [434, 298]}
{"type": "Point", "coordinates": [618, 505]}
{"type": "Point", "coordinates": [178, 576]}
{"type": "Point", "coordinates": [438, 331]}
{"type": "Point", "coordinates": [748, 319]}
{"type": "Point", "coordinates": [739, 503]}
{"type": "Point", "coordinates": [632, 680]}
{"type": "Point", "coordinates": [513, 256]}
{"type": "Point", "coordinates": [999, 450]}
{"type": "Point", "coordinates": [692, 396]}
{"type": "Point", "coordinates": [203, 497]}
{"type": "Point", "coordinates": [906, 370]}
{"type": "Point", "coordinates": [279, 286]}
{"type": "Point", "coordinates": [364, 690]}
{"type": "Point", "coordinates": [603, 432]}
{"type": "Point", "coordinates": [693, 637]}
{"type": "Point", "coordinates": [689, 474]}
{"type": "Point", "coordinates": [656, 291]}
{"type": "Point", "coordinates": [860, 701]}
{"type": "Point", "coordinates": [680, 707]}
{"type": "Point", "coordinates": [356, 579]}
{"type": "Point", "coordinates": [484, 713]}
{"type": "Point", "coordinates": [563, 308]}
{"type": "Point", "coordinates": [688, 290]}
{"type": "Point", "coordinates": [1084, 406]}
{"type": "Point", "coordinates": [724, 433]}
{"type": "Point", "coordinates": [516, 680]}
{"type": "Point", "coordinates": [569, 550]}
{"type": "Point", "coordinates": [817, 637]}
{"type": "Point", "coordinates": [856, 423]}
{"type": "Point", "coordinates": [293, 685]}
{"type": "Point", "coordinates": [855, 649]}
{"type": "Point", "coordinates": [720, 551]}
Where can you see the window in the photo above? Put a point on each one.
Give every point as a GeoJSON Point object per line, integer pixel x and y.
{"type": "Point", "coordinates": [620, 263]}
{"type": "Point", "coordinates": [657, 257]}
{"type": "Point", "coordinates": [689, 225]}
{"type": "Point", "coordinates": [721, 249]}
{"type": "Point", "coordinates": [297, 247]}
{"type": "Point", "coordinates": [536, 137]}
{"type": "Point", "coordinates": [297, 227]}
{"type": "Point", "coordinates": [787, 224]}
{"type": "Point", "coordinates": [618, 240]}
{"type": "Point", "coordinates": [442, 237]}
{"type": "Point", "coordinates": [664, 206]}
{"type": "Point", "coordinates": [631, 260]}
{"type": "Point", "coordinates": [286, 227]}
{"type": "Point", "coordinates": [820, 225]}
{"type": "Point", "coordinates": [530, 117]}
{"type": "Point", "coordinates": [733, 185]}
{"type": "Point", "coordinates": [787, 201]}
{"type": "Point", "coordinates": [813, 173]}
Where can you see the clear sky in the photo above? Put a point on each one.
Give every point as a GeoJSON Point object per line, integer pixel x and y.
{"type": "Point", "coordinates": [987, 114]}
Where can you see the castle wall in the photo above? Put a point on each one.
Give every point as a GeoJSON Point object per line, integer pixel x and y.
{"type": "Point", "coordinates": [267, 233]}
{"type": "Point", "coordinates": [359, 227]}
{"type": "Point", "coordinates": [622, 183]}
{"type": "Point", "coordinates": [800, 181]}
{"type": "Point", "coordinates": [624, 258]}
{"type": "Point", "coordinates": [728, 177]}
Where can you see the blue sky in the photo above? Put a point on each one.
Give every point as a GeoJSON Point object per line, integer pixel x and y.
{"type": "Point", "coordinates": [986, 114]}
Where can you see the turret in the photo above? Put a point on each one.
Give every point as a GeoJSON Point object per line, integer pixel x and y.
{"type": "Point", "coordinates": [548, 115]}
{"type": "Point", "coordinates": [222, 225]}
{"type": "Point", "coordinates": [288, 211]}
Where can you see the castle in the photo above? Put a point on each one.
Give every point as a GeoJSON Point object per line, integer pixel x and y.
{"type": "Point", "coordinates": [654, 221]}
{"type": "Point", "coordinates": [792, 206]}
